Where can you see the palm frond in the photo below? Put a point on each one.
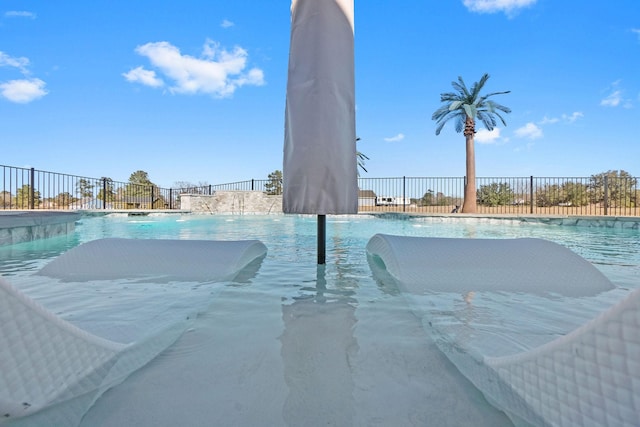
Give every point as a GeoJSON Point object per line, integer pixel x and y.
{"type": "Point", "coordinates": [455, 105]}
{"type": "Point", "coordinates": [361, 158]}
{"type": "Point", "coordinates": [484, 99]}
{"type": "Point", "coordinates": [440, 126]}
{"type": "Point", "coordinates": [440, 112]}
{"type": "Point", "coordinates": [450, 97]}
{"type": "Point", "coordinates": [458, 106]}
{"type": "Point", "coordinates": [460, 119]}
{"type": "Point", "coordinates": [467, 94]}
{"type": "Point", "coordinates": [458, 87]}
{"type": "Point", "coordinates": [501, 118]}
{"type": "Point", "coordinates": [470, 110]}
{"type": "Point", "coordinates": [502, 108]}
{"type": "Point", "coordinates": [461, 87]}
{"type": "Point", "coordinates": [477, 86]}
{"type": "Point", "coordinates": [488, 120]}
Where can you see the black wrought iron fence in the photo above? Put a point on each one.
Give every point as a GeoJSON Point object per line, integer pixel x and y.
{"type": "Point", "coordinates": [24, 188]}
{"type": "Point", "coordinates": [596, 195]}
{"type": "Point", "coordinates": [407, 194]}
{"type": "Point", "coordinates": [603, 194]}
{"type": "Point", "coordinates": [265, 185]}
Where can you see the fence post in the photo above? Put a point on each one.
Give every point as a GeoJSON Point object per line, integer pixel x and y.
{"type": "Point", "coordinates": [404, 194]}
{"type": "Point", "coordinates": [152, 197]}
{"type": "Point", "coordinates": [170, 198]}
{"type": "Point", "coordinates": [209, 189]}
{"type": "Point", "coordinates": [104, 193]}
{"type": "Point", "coordinates": [531, 194]}
{"type": "Point", "coordinates": [606, 195]}
{"type": "Point", "coordinates": [32, 183]}
{"type": "Point", "coordinates": [252, 184]}
{"type": "Point", "coordinates": [464, 188]}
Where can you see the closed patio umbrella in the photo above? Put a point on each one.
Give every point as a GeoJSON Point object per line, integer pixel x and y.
{"type": "Point", "coordinates": [320, 166]}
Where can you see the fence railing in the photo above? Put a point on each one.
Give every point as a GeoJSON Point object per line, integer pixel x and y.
{"type": "Point", "coordinates": [595, 195]}
{"type": "Point", "coordinates": [24, 188]}
{"type": "Point", "coordinates": [604, 194]}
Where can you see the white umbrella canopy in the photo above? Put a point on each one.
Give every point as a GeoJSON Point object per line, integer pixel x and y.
{"type": "Point", "coordinates": [320, 166]}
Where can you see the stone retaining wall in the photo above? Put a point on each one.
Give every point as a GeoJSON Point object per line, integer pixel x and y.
{"type": "Point", "coordinates": [232, 202]}
{"type": "Point", "coordinates": [24, 226]}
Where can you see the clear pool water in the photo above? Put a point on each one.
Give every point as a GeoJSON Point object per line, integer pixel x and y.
{"type": "Point", "coordinates": [299, 344]}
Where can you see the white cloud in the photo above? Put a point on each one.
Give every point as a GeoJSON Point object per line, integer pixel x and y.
{"type": "Point", "coordinates": [612, 100]}
{"type": "Point", "coordinates": [573, 117]}
{"type": "Point", "coordinates": [484, 136]}
{"type": "Point", "coordinates": [637, 31]}
{"type": "Point", "coordinates": [218, 72]}
{"type": "Point", "coordinates": [548, 120]}
{"type": "Point", "coordinates": [397, 138]}
{"type": "Point", "coordinates": [615, 98]}
{"type": "Point", "coordinates": [142, 76]}
{"type": "Point", "coordinates": [20, 63]}
{"type": "Point", "coordinates": [226, 23]}
{"type": "Point", "coordinates": [530, 130]}
{"type": "Point", "coordinates": [566, 118]}
{"type": "Point", "coordinates": [23, 91]}
{"type": "Point", "coordinates": [492, 6]}
{"type": "Point", "coordinates": [19, 14]}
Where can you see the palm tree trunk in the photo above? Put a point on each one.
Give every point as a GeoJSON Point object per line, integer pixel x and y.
{"type": "Point", "coordinates": [469, 204]}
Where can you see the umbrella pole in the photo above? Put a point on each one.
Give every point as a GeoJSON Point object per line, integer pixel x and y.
{"type": "Point", "coordinates": [322, 239]}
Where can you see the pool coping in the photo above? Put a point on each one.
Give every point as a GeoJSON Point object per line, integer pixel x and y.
{"type": "Point", "coordinates": [626, 222]}
{"type": "Point", "coordinates": [26, 226]}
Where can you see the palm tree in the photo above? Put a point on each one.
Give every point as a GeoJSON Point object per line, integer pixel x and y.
{"type": "Point", "coordinates": [361, 158]}
{"type": "Point", "coordinates": [464, 107]}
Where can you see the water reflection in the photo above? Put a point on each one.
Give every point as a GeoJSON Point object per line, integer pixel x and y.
{"type": "Point", "coordinates": [33, 255]}
{"type": "Point", "coordinates": [317, 346]}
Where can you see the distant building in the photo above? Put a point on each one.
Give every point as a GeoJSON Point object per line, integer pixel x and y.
{"type": "Point", "coordinates": [86, 203]}
{"type": "Point", "coordinates": [392, 201]}
{"type": "Point", "coordinates": [366, 198]}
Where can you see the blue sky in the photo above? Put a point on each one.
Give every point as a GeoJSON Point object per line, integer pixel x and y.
{"type": "Point", "coordinates": [195, 91]}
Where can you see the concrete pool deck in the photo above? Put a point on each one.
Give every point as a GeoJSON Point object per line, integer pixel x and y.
{"type": "Point", "coordinates": [620, 222]}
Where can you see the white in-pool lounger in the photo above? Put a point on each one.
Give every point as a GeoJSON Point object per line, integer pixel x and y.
{"type": "Point", "coordinates": [588, 377]}
{"type": "Point", "coordinates": [51, 371]}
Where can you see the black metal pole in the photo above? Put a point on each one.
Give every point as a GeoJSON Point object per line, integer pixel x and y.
{"type": "Point", "coordinates": [32, 192]}
{"type": "Point", "coordinates": [104, 193]}
{"type": "Point", "coordinates": [606, 195]}
{"type": "Point", "coordinates": [322, 239]}
{"type": "Point", "coordinates": [531, 194]}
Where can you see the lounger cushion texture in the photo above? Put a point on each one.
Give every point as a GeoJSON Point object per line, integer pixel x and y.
{"type": "Point", "coordinates": [52, 371]}
{"type": "Point", "coordinates": [426, 264]}
{"type": "Point", "coordinates": [183, 260]}
{"type": "Point", "coordinates": [42, 356]}
{"type": "Point", "coordinates": [588, 377]}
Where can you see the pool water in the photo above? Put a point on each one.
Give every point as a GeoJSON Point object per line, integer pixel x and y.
{"type": "Point", "coordinates": [301, 344]}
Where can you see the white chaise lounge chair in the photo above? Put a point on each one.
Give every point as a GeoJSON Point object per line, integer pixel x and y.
{"type": "Point", "coordinates": [588, 377]}
{"type": "Point", "coordinates": [51, 371]}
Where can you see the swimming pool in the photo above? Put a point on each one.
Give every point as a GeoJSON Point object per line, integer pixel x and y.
{"type": "Point", "coordinates": [298, 344]}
